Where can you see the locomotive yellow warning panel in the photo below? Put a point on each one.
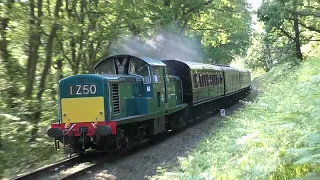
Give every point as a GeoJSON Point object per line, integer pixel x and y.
{"type": "Point", "coordinates": [88, 109]}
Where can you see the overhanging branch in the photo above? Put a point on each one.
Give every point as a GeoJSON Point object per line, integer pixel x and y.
{"type": "Point", "coordinates": [287, 34]}
{"type": "Point", "coordinates": [306, 13]}
{"type": "Point", "coordinates": [309, 27]}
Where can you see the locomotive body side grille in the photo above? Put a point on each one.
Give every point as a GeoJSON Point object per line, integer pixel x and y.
{"type": "Point", "coordinates": [115, 99]}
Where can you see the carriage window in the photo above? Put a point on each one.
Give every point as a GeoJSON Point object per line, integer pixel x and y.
{"type": "Point", "coordinates": [106, 68]}
{"type": "Point", "coordinates": [207, 80]}
{"type": "Point", "coordinates": [196, 80]}
{"type": "Point", "coordinates": [140, 68]}
{"type": "Point", "coordinates": [210, 80]}
{"type": "Point", "coordinates": [201, 80]}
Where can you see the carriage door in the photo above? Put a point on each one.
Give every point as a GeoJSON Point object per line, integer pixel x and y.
{"type": "Point", "coordinates": [159, 87]}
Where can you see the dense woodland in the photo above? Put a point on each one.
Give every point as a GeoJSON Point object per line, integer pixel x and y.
{"type": "Point", "coordinates": [43, 41]}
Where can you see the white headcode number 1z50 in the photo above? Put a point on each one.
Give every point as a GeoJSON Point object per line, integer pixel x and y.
{"type": "Point", "coordinates": [83, 89]}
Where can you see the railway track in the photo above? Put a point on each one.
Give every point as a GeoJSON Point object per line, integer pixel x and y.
{"type": "Point", "coordinates": [66, 169]}
{"type": "Point", "coordinates": [77, 173]}
{"type": "Point", "coordinates": [75, 167]}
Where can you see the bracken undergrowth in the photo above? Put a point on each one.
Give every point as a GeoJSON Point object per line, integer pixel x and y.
{"type": "Point", "coordinates": [275, 136]}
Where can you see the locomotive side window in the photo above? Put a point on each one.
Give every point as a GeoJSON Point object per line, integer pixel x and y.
{"type": "Point", "coordinates": [140, 68]}
{"type": "Point", "coordinates": [107, 68]}
{"type": "Point", "coordinates": [157, 74]}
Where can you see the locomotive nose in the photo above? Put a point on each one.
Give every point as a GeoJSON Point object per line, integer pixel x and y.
{"type": "Point", "coordinates": [83, 99]}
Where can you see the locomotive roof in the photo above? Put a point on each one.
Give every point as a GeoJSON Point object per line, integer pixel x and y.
{"type": "Point", "coordinates": [196, 65]}
{"type": "Point", "coordinates": [150, 61]}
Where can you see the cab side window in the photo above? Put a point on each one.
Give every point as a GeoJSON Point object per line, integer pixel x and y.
{"type": "Point", "coordinates": [157, 74]}
{"type": "Point", "coordinates": [139, 68]}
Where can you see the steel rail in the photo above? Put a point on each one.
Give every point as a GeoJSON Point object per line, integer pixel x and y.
{"type": "Point", "coordinates": [34, 173]}
{"type": "Point", "coordinates": [82, 171]}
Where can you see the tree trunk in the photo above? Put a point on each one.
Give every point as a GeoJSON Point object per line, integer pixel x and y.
{"type": "Point", "coordinates": [166, 3]}
{"type": "Point", "coordinates": [269, 57]}
{"type": "Point", "coordinates": [297, 37]}
{"type": "Point", "coordinates": [10, 66]}
{"type": "Point", "coordinates": [49, 47]}
{"type": "Point", "coordinates": [183, 27]}
{"type": "Point", "coordinates": [297, 32]}
{"type": "Point", "coordinates": [82, 36]}
{"type": "Point", "coordinates": [59, 70]}
{"type": "Point", "coordinates": [34, 44]}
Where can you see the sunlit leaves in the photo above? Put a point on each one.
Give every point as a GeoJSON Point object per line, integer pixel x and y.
{"type": "Point", "coordinates": [225, 27]}
{"type": "Point", "coordinates": [279, 17]}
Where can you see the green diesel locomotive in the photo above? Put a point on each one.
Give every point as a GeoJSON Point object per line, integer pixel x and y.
{"type": "Point", "coordinates": [131, 99]}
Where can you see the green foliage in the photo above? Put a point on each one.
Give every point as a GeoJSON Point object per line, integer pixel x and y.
{"type": "Point", "coordinates": [43, 41]}
{"type": "Point", "coordinates": [225, 30]}
{"type": "Point", "coordinates": [17, 154]}
{"type": "Point", "coordinates": [291, 25]}
{"type": "Point", "coordinates": [274, 137]}
{"type": "Point", "coordinates": [267, 51]}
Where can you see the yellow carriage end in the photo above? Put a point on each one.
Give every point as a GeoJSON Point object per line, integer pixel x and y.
{"type": "Point", "coordinates": [86, 109]}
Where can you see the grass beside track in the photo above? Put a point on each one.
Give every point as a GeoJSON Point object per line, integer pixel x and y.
{"type": "Point", "coordinates": [277, 136]}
